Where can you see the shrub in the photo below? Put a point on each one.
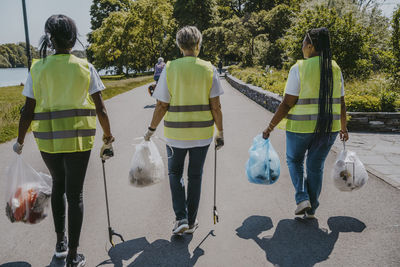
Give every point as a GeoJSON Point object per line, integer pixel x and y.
{"type": "Point", "coordinates": [362, 103]}
{"type": "Point", "coordinates": [387, 101]}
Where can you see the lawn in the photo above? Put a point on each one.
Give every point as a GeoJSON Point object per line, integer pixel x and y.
{"type": "Point", "coordinates": [11, 101]}
{"type": "Point", "coordinates": [370, 95]}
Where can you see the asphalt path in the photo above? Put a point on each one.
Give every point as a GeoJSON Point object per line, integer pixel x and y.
{"type": "Point", "coordinates": [257, 224]}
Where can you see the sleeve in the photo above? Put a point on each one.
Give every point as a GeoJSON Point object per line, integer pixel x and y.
{"type": "Point", "coordinates": [293, 81]}
{"type": "Point", "coordinates": [28, 88]}
{"type": "Point", "coordinates": [341, 76]}
{"type": "Point", "coordinates": [216, 88]}
{"type": "Point", "coordinates": [95, 85]}
{"type": "Point", "coordinates": [161, 92]}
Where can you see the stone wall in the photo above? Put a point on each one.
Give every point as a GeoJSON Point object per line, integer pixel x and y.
{"type": "Point", "coordinates": [359, 121]}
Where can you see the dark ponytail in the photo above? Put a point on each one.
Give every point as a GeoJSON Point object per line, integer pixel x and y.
{"type": "Point", "coordinates": [60, 31]}
{"type": "Point", "coordinates": [319, 38]}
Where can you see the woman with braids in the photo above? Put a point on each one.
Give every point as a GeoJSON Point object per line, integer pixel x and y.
{"type": "Point", "coordinates": [63, 96]}
{"type": "Point", "coordinates": [314, 112]}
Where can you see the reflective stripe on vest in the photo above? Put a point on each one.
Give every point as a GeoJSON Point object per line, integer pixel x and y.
{"type": "Point", "coordinates": [65, 117]}
{"type": "Point", "coordinates": [189, 117]}
{"type": "Point", "coordinates": [302, 118]}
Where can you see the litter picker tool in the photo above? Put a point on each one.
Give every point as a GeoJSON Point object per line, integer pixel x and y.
{"type": "Point", "coordinates": [215, 212]}
{"type": "Point", "coordinates": [111, 232]}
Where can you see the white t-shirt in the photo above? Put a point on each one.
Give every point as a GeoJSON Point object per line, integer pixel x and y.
{"type": "Point", "coordinates": [293, 82]}
{"type": "Point", "coordinates": [161, 93]}
{"type": "Point", "coordinates": [95, 85]}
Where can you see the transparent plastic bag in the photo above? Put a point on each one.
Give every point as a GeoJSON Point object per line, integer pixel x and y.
{"type": "Point", "coordinates": [27, 193]}
{"type": "Point", "coordinates": [147, 166]}
{"type": "Point", "coordinates": [263, 166]}
{"type": "Point", "coordinates": [348, 173]}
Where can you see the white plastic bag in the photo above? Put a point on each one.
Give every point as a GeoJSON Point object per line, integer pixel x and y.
{"type": "Point", "coordinates": [147, 166]}
{"type": "Point", "coordinates": [27, 193]}
{"type": "Point", "coordinates": [349, 173]}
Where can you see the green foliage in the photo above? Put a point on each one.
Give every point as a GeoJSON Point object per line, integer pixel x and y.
{"type": "Point", "coordinates": [349, 39]}
{"type": "Point", "coordinates": [362, 103]}
{"type": "Point", "coordinates": [199, 13]}
{"type": "Point", "coordinates": [14, 55]}
{"type": "Point", "coordinates": [395, 41]}
{"type": "Point", "coordinates": [387, 101]}
{"type": "Point", "coordinates": [135, 38]}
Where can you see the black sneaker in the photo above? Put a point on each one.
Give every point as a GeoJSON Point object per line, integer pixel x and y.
{"type": "Point", "coordinates": [61, 249]}
{"type": "Point", "coordinates": [180, 227]}
{"type": "Point", "coordinates": [79, 261]}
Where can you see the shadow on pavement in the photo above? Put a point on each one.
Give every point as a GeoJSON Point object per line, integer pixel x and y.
{"type": "Point", "coordinates": [150, 106]}
{"type": "Point", "coordinates": [16, 264]}
{"type": "Point", "coordinates": [56, 262]}
{"type": "Point", "coordinates": [139, 252]}
{"type": "Point", "coordinates": [297, 242]}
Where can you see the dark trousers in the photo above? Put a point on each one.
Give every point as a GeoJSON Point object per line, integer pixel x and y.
{"type": "Point", "coordinates": [186, 208]}
{"type": "Point", "coordinates": [68, 171]}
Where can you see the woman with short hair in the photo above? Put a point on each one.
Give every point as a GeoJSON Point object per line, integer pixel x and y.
{"type": "Point", "coordinates": [188, 93]}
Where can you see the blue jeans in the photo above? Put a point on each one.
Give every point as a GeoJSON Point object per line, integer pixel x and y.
{"type": "Point", "coordinates": [308, 187]}
{"type": "Point", "coordinates": [186, 208]}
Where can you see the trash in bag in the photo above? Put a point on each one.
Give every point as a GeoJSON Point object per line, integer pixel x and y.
{"type": "Point", "coordinates": [27, 193]}
{"type": "Point", "coordinates": [263, 166]}
{"type": "Point", "coordinates": [348, 173]}
{"type": "Point", "coordinates": [147, 167]}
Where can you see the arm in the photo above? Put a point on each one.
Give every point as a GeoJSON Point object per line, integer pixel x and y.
{"type": "Point", "coordinates": [344, 135]}
{"type": "Point", "coordinates": [158, 115]}
{"type": "Point", "coordinates": [288, 102]}
{"type": "Point", "coordinates": [216, 112]}
{"type": "Point", "coordinates": [102, 115]}
{"type": "Point", "coordinates": [26, 119]}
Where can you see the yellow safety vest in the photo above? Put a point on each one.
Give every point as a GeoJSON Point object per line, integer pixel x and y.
{"type": "Point", "coordinates": [189, 117]}
{"type": "Point", "coordinates": [302, 118]}
{"type": "Point", "coordinates": [65, 115]}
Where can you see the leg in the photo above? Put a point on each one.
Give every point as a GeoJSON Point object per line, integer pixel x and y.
{"type": "Point", "coordinates": [176, 160]}
{"type": "Point", "coordinates": [296, 147]}
{"type": "Point", "coordinates": [315, 167]}
{"type": "Point", "coordinates": [197, 156]}
{"type": "Point", "coordinates": [75, 166]}
{"type": "Point", "coordinates": [55, 164]}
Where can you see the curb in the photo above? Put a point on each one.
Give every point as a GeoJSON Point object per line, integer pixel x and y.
{"type": "Point", "coordinates": [260, 96]}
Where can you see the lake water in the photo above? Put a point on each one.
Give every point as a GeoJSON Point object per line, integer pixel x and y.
{"type": "Point", "coordinates": [13, 76]}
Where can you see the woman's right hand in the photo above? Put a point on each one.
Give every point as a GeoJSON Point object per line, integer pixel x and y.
{"type": "Point", "coordinates": [344, 135]}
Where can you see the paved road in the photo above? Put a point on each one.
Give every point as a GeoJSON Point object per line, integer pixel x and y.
{"type": "Point", "coordinates": [257, 226]}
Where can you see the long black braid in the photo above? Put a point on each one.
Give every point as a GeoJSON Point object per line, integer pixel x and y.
{"type": "Point", "coordinates": [60, 31]}
{"type": "Point", "coordinates": [321, 41]}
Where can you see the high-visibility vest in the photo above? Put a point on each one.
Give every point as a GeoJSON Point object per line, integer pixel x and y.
{"type": "Point", "coordinates": [65, 117]}
{"type": "Point", "coordinates": [189, 117]}
{"type": "Point", "coordinates": [302, 118]}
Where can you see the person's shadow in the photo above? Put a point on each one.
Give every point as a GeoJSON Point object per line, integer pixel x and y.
{"type": "Point", "coordinates": [16, 264]}
{"type": "Point", "coordinates": [297, 242]}
{"type": "Point", "coordinates": [139, 252]}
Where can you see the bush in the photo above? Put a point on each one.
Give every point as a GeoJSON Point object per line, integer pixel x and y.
{"type": "Point", "coordinates": [362, 103]}
{"type": "Point", "coordinates": [387, 101]}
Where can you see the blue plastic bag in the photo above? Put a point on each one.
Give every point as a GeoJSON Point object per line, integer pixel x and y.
{"type": "Point", "coordinates": [263, 166]}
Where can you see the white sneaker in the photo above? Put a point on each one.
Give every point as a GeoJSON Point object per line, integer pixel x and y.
{"type": "Point", "coordinates": [192, 227]}
{"type": "Point", "coordinates": [302, 207]}
{"type": "Point", "coordinates": [180, 227]}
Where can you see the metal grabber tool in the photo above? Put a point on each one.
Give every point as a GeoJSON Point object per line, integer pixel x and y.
{"type": "Point", "coordinates": [215, 212]}
{"type": "Point", "coordinates": [111, 232]}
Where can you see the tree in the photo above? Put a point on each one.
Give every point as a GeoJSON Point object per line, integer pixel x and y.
{"type": "Point", "coordinates": [199, 13]}
{"type": "Point", "coordinates": [395, 40]}
{"type": "Point", "coordinates": [349, 39]}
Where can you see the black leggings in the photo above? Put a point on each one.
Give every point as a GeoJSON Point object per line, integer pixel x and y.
{"type": "Point", "coordinates": [68, 171]}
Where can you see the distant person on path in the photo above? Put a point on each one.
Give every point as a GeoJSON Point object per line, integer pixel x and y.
{"type": "Point", "coordinates": [220, 67]}
{"type": "Point", "coordinates": [315, 112]}
{"type": "Point", "coordinates": [188, 93]}
{"type": "Point", "coordinates": [158, 68]}
{"type": "Point", "coordinates": [63, 96]}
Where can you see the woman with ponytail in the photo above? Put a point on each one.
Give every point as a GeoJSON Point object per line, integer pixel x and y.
{"type": "Point", "coordinates": [63, 97]}
{"type": "Point", "coordinates": [312, 112]}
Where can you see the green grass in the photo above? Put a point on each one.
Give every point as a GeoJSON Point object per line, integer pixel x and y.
{"type": "Point", "coordinates": [11, 101]}
{"type": "Point", "coordinates": [372, 94]}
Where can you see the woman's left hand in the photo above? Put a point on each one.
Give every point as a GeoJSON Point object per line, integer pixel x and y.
{"type": "Point", "coordinates": [266, 132]}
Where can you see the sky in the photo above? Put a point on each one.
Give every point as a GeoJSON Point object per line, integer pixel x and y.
{"type": "Point", "coordinates": [12, 24]}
